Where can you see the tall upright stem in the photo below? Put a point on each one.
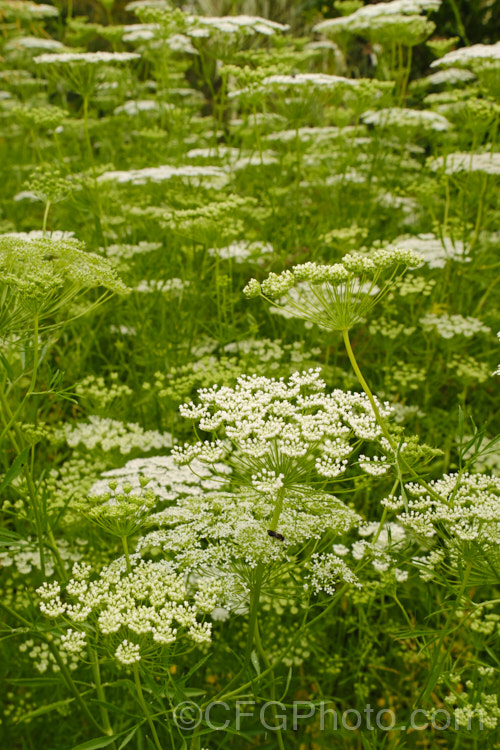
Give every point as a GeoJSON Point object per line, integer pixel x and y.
{"type": "Point", "coordinates": [34, 372]}
{"type": "Point", "coordinates": [127, 555]}
{"type": "Point", "coordinates": [36, 348]}
{"type": "Point", "coordinates": [255, 598]}
{"type": "Point", "coordinates": [365, 387]}
{"type": "Point", "coordinates": [94, 663]}
{"type": "Point", "coordinates": [268, 665]}
{"type": "Point", "coordinates": [17, 441]}
{"type": "Point", "coordinates": [45, 217]}
{"type": "Point", "coordinates": [143, 704]}
{"type": "Point", "coordinates": [400, 461]}
{"type": "Point", "coordinates": [86, 125]}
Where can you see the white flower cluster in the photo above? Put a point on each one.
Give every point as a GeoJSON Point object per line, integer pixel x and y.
{"type": "Point", "coordinates": [336, 296]}
{"type": "Point", "coordinates": [139, 4]}
{"type": "Point", "coordinates": [326, 570]}
{"type": "Point", "coordinates": [215, 176]}
{"type": "Point", "coordinates": [210, 531]}
{"type": "Point", "coordinates": [299, 80]}
{"type": "Point", "coordinates": [135, 107]}
{"type": "Point", "coordinates": [152, 32]}
{"type": "Point", "coordinates": [386, 540]}
{"type": "Point", "coordinates": [267, 481]}
{"type": "Point", "coordinates": [292, 429]}
{"type": "Point", "coordinates": [24, 555]}
{"type": "Point", "coordinates": [70, 647]}
{"type": "Point", "coordinates": [140, 32]}
{"type": "Point", "coordinates": [167, 480]}
{"type": "Point", "coordinates": [317, 135]}
{"type": "Point", "coordinates": [25, 9]}
{"type": "Point", "coordinates": [309, 80]}
{"type": "Point", "coordinates": [128, 653]}
{"type": "Point", "coordinates": [149, 602]}
{"type": "Point", "coordinates": [109, 434]}
{"type": "Point", "coordinates": [165, 286]}
{"type": "Point", "coordinates": [369, 16]}
{"type": "Point", "coordinates": [99, 392]}
{"type": "Point", "coordinates": [218, 152]}
{"type": "Point", "coordinates": [449, 326]}
{"type": "Point", "coordinates": [376, 466]}
{"type": "Point", "coordinates": [204, 26]}
{"type": "Point", "coordinates": [337, 273]}
{"type": "Point", "coordinates": [472, 56]}
{"type": "Point", "coordinates": [73, 641]}
{"type": "Point", "coordinates": [236, 158]}
{"type": "Point", "coordinates": [482, 620]}
{"type": "Point", "coordinates": [241, 250]}
{"type": "Point", "coordinates": [450, 76]}
{"type": "Point", "coordinates": [488, 162]}
{"type": "Point", "coordinates": [124, 252]}
{"type": "Point", "coordinates": [262, 159]}
{"type": "Point", "coordinates": [405, 118]}
{"type": "Point", "coordinates": [38, 234]}
{"type": "Point", "coordinates": [484, 708]}
{"type": "Point", "coordinates": [466, 505]}
{"type": "Point", "coordinates": [390, 535]}
{"type": "Point", "coordinates": [86, 58]}
{"type": "Point", "coordinates": [32, 43]}
{"type": "Point", "coordinates": [435, 251]}
{"type": "Point", "coordinates": [468, 369]}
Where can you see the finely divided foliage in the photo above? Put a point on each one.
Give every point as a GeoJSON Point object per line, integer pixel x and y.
{"type": "Point", "coordinates": [249, 475]}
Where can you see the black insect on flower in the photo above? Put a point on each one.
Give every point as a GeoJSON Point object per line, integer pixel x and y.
{"type": "Point", "coordinates": [276, 535]}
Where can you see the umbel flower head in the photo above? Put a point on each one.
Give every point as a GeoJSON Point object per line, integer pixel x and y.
{"type": "Point", "coordinates": [132, 610]}
{"type": "Point", "coordinates": [119, 513]}
{"type": "Point", "coordinates": [282, 435]}
{"type": "Point", "coordinates": [48, 185]}
{"type": "Point", "coordinates": [462, 514]}
{"type": "Point", "coordinates": [81, 68]}
{"type": "Point", "coordinates": [337, 296]}
{"type": "Point", "coordinates": [220, 528]}
{"type": "Point", "coordinates": [42, 276]}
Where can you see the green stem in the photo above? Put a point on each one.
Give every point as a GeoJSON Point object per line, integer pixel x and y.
{"type": "Point", "coordinates": [365, 387]}
{"type": "Point", "coordinates": [458, 20]}
{"type": "Point", "coordinates": [17, 442]}
{"type": "Point", "coordinates": [36, 346]}
{"type": "Point", "coordinates": [406, 76]}
{"type": "Point", "coordinates": [144, 706]}
{"type": "Point", "coordinates": [401, 463]}
{"type": "Point", "coordinates": [257, 589]}
{"type": "Point", "coordinates": [86, 125]}
{"type": "Point", "coordinates": [447, 205]}
{"type": "Point", "coordinates": [45, 217]}
{"type": "Point", "coordinates": [294, 639]}
{"type": "Point", "coordinates": [261, 651]}
{"type": "Point", "coordinates": [69, 680]}
{"type": "Point", "coordinates": [257, 131]}
{"type": "Point", "coordinates": [34, 373]}
{"type": "Point", "coordinates": [94, 663]}
{"type": "Point", "coordinates": [255, 599]}
{"type": "Point", "coordinates": [127, 555]}
{"type": "Point", "coordinates": [479, 217]}
{"type": "Point", "coordinates": [445, 631]}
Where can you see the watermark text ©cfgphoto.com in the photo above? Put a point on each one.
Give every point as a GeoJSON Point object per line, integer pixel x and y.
{"type": "Point", "coordinates": [273, 715]}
